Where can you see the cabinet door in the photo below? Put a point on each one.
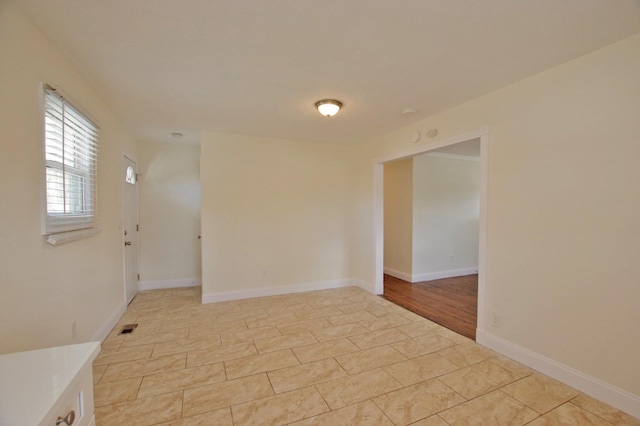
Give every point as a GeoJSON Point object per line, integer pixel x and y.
{"type": "Point", "coordinates": [76, 399]}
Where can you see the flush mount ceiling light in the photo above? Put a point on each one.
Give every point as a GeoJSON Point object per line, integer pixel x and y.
{"type": "Point", "coordinates": [328, 107]}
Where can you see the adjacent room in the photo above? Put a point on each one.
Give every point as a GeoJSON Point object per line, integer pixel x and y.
{"type": "Point", "coordinates": [206, 203]}
{"type": "Point", "coordinates": [431, 235]}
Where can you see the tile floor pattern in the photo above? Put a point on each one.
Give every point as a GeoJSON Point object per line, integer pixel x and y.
{"type": "Point", "coordinates": [333, 357]}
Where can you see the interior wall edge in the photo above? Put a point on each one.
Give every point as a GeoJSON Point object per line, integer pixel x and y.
{"type": "Point", "coordinates": [102, 333]}
{"type": "Point", "coordinates": [438, 275]}
{"type": "Point", "coordinates": [598, 389]}
{"type": "Point", "coordinates": [275, 291]}
{"type": "Point", "coordinates": [401, 275]}
{"type": "Point", "coordinates": [164, 284]}
{"type": "Point", "coordinates": [363, 284]}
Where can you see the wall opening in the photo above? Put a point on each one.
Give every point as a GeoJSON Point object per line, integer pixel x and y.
{"type": "Point", "coordinates": [480, 135]}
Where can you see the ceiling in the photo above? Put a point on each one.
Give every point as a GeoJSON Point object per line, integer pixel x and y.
{"type": "Point", "coordinates": [257, 67]}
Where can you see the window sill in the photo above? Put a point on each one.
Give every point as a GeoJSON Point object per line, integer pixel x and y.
{"type": "Point", "coordinates": [66, 237]}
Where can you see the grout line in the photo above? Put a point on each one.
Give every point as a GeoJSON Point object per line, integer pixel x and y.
{"type": "Point", "coordinates": [179, 309]}
{"type": "Point", "coordinates": [182, 405]}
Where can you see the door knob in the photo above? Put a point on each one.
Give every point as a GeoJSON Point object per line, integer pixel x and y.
{"type": "Point", "coordinates": [127, 243]}
{"type": "Point", "coordinates": [68, 419]}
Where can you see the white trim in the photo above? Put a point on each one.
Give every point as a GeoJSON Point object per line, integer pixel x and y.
{"type": "Point", "coordinates": [482, 229]}
{"type": "Point", "coordinates": [430, 276]}
{"type": "Point", "coordinates": [378, 208]}
{"type": "Point", "coordinates": [111, 322]}
{"type": "Point", "coordinates": [66, 237]}
{"type": "Point", "coordinates": [365, 285]}
{"type": "Point", "coordinates": [43, 163]}
{"type": "Point", "coordinates": [276, 291]}
{"type": "Point", "coordinates": [452, 156]}
{"type": "Point", "coordinates": [423, 149]}
{"type": "Point", "coordinates": [616, 397]}
{"type": "Point", "coordinates": [404, 276]}
{"type": "Point", "coordinates": [378, 226]}
{"type": "Point", "coordinates": [164, 284]}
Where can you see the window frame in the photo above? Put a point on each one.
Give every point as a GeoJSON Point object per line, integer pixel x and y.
{"type": "Point", "coordinates": [70, 219]}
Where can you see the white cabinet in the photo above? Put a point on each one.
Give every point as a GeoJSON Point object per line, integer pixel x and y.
{"type": "Point", "coordinates": [39, 387]}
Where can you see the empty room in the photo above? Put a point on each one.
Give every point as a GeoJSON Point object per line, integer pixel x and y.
{"type": "Point", "coordinates": [198, 224]}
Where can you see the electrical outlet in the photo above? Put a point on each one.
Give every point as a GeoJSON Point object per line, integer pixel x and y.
{"type": "Point", "coordinates": [497, 321]}
{"type": "Point", "coordinates": [74, 330]}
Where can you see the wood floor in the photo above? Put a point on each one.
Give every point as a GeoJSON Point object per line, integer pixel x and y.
{"type": "Point", "coordinates": [450, 302]}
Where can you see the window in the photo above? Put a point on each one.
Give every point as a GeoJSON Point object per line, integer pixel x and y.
{"type": "Point", "coordinates": [71, 155]}
{"type": "Point", "coordinates": [131, 176]}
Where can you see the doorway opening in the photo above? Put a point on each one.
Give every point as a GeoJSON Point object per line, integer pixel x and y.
{"type": "Point", "coordinates": [464, 280]}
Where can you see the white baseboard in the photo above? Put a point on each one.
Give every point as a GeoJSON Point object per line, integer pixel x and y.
{"type": "Point", "coordinates": [274, 291]}
{"type": "Point", "coordinates": [111, 322]}
{"type": "Point", "coordinates": [163, 284]}
{"type": "Point", "coordinates": [616, 397]}
{"type": "Point", "coordinates": [365, 285]}
{"type": "Point", "coordinates": [398, 274]}
{"type": "Point", "coordinates": [430, 276]}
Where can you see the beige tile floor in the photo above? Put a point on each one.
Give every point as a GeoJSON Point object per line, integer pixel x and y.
{"type": "Point", "coordinates": [334, 357]}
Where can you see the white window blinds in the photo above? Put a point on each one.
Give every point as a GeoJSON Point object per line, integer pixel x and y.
{"type": "Point", "coordinates": [71, 156]}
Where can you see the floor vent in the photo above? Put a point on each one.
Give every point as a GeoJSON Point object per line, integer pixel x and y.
{"type": "Point", "coordinates": [128, 329]}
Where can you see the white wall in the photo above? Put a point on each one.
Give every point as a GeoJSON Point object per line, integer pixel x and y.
{"type": "Point", "coordinates": [275, 216]}
{"type": "Point", "coordinates": [445, 217]}
{"type": "Point", "coordinates": [398, 218]}
{"type": "Point", "coordinates": [45, 288]}
{"type": "Point", "coordinates": [169, 195]}
{"type": "Point", "coordinates": [563, 208]}
{"type": "Point", "coordinates": [431, 209]}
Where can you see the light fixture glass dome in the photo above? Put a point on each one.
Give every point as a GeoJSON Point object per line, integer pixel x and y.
{"type": "Point", "coordinates": [328, 107]}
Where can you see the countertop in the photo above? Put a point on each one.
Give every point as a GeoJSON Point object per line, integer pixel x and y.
{"type": "Point", "coordinates": [32, 382]}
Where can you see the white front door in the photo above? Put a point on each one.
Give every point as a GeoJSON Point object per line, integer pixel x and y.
{"type": "Point", "coordinates": [130, 179]}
